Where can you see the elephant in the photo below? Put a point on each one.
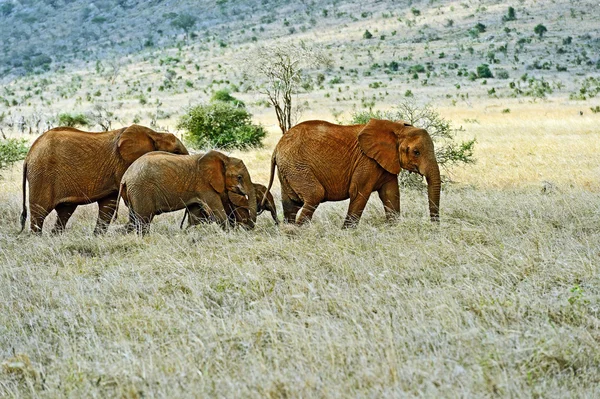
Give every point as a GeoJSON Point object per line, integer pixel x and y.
{"type": "Point", "coordinates": [319, 161]}
{"type": "Point", "coordinates": [237, 208]}
{"type": "Point", "coordinates": [67, 167]}
{"type": "Point", "coordinates": [162, 182]}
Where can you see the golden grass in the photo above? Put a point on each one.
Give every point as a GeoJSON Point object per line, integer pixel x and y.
{"type": "Point", "coordinates": [500, 299]}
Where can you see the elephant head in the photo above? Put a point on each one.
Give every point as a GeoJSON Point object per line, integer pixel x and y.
{"type": "Point", "coordinates": [136, 140]}
{"type": "Point", "coordinates": [228, 174]}
{"type": "Point", "coordinates": [396, 145]}
{"type": "Point", "coordinates": [241, 204]}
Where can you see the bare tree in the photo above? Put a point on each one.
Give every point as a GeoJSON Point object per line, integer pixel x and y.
{"type": "Point", "coordinates": [278, 69]}
{"type": "Point", "coordinates": [102, 116]}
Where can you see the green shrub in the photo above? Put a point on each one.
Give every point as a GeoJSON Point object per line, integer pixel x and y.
{"type": "Point", "coordinates": [502, 74]}
{"type": "Point", "coordinates": [225, 96]}
{"type": "Point", "coordinates": [367, 35]}
{"type": "Point", "coordinates": [480, 27]}
{"type": "Point", "coordinates": [11, 151]}
{"type": "Point", "coordinates": [220, 125]}
{"type": "Point", "coordinates": [448, 150]}
{"type": "Point", "coordinates": [416, 69]}
{"type": "Point", "coordinates": [483, 71]}
{"type": "Point", "coordinates": [511, 16]}
{"type": "Point", "coordinates": [73, 120]}
{"type": "Point", "coordinates": [540, 30]}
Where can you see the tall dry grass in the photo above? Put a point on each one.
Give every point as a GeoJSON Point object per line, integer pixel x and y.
{"type": "Point", "coordinates": [500, 299]}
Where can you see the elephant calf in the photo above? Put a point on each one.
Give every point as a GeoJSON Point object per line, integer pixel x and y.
{"type": "Point", "coordinates": [237, 208]}
{"type": "Point", "coordinates": [161, 182]}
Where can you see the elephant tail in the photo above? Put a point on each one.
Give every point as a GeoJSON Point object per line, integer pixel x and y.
{"type": "Point", "coordinates": [184, 216]}
{"type": "Point", "coordinates": [271, 177]}
{"type": "Point", "coordinates": [24, 213]}
{"type": "Point", "coordinates": [122, 187]}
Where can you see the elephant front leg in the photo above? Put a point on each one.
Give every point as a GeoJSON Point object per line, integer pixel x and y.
{"type": "Point", "coordinates": [106, 211]}
{"type": "Point", "coordinates": [214, 203]}
{"type": "Point", "coordinates": [355, 210]}
{"type": "Point", "coordinates": [389, 194]}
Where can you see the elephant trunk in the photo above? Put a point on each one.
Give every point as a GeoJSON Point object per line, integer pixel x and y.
{"type": "Point", "coordinates": [251, 192]}
{"type": "Point", "coordinates": [434, 184]}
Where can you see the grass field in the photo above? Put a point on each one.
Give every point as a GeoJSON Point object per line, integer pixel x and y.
{"type": "Point", "coordinates": [500, 299]}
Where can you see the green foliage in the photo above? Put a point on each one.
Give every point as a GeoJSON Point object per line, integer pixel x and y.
{"type": "Point", "coordinates": [511, 16]}
{"type": "Point", "coordinates": [73, 120]}
{"type": "Point", "coordinates": [6, 8]}
{"type": "Point", "coordinates": [225, 96]}
{"type": "Point", "coordinates": [540, 30]}
{"type": "Point", "coordinates": [415, 11]}
{"type": "Point", "coordinates": [220, 125]}
{"type": "Point", "coordinates": [483, 71]}
{"type": "Point", "coordinates": [595, 109]}
{"type": "Point", "coordinates": [184, 21]}
{"type": "Point", "coordinates": [367, 34]}
{"type": "Point", "coordinates": [502, 74]}
{"type": "Point", "coordinates": [448, 150]}
{"type": "Point", "coordinates": [416, 69]}
{"type": "Point", "coordinates": [590, 88]}
{"type": "Point", "coordinates": [11, 151]}
{"type": "Point", "coordinates": [479, 27]}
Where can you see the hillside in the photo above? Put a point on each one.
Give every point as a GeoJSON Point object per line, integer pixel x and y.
{"type": "Point", "coordinates": [132, 60]}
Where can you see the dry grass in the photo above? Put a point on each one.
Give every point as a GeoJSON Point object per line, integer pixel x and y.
{"type": "Point", "coordinates": [502, 298]}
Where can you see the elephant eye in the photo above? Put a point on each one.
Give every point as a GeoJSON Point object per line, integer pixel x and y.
{"type": "Point", "coordinates": [239, 177]}
{"type": "Point", "coordinates": [417, 153]}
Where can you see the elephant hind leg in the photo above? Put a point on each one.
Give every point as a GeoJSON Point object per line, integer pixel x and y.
{"type": "Point", "coordinates": [63, 213]}
{"type": "Point", "coordinates": [311, 202]}
{"type": "Point", "coordinates": [38, 215]}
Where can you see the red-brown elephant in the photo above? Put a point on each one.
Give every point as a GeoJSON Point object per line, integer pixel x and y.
{"type": "Point", "coordinates": [319, 161]}
{"type": "Point", "coordinates": [67, 167]}
{"type": "Point", "coordinates": [161, 182]}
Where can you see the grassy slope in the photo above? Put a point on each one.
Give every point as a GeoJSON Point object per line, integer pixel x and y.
{"type": "Point", "coordinates": [501, 299]}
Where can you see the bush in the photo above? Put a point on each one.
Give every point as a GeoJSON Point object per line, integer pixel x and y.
{"type": "Point", "coordinates": [511, 16]}
{"type": "Point", "coordinates": [483, 71]}
{"type": "Point", "coordinates": [448, 150]}
{"type": "Point", "coordinates": [479, 27]}
{"type": "Point", "coordinates": [11, 151]}
{"type": "Point", "coordinates": [416, 69]}
{"type": "Point", "coordinates": [540, 30]}
{"type": "Point", "coordinates": [367, 35]}
{"type": "Point", "coordinates": [220, 125]}
{"type": "Point", "coordinates": [225, 96]}
{"type": "Point", "coordinates": [73, 120]}
{"type": "Point", "coordinates": [502, 74]}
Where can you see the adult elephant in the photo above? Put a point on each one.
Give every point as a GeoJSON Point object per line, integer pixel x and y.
{"type": "Point", "coordinates": [319, 161]}
{"type": "Point", "coordinates": [161, 182]}
{"type": "Point", "coordinates": [67, 167]}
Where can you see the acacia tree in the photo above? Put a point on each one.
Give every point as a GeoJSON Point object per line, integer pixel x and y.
{"type": "Point", "coordinates": [278, 69]}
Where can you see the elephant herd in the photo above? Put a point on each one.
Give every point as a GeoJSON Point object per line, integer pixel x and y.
{"type": "Point", "coordinates": [153, 173]}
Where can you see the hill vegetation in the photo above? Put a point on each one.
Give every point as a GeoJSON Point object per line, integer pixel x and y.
{"type": "Point", "coordinates": [144, 61]}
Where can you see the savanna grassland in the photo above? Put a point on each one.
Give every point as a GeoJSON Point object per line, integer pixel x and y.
{"type": "Point", "coordinates": [501, 298]}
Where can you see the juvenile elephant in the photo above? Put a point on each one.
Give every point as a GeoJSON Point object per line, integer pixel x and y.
{"type": "Point", "coordinates": [237, 208]}
{"type": "Point", "coordinates": [67, 167]}
{"type": "Point", "coordinates": [161, 182]}
{"type": "Point", "coordinates": [318, 161]}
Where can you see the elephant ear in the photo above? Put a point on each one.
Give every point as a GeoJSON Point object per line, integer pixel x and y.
{"type": "Point", "coordinates": [134, 142]}
{"type": "Point", "coordinates": [379, 142]}
{"type": "Point", "coordinates": [240, 201]}
{"type": "Point", "coordinates": [215, 170]}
